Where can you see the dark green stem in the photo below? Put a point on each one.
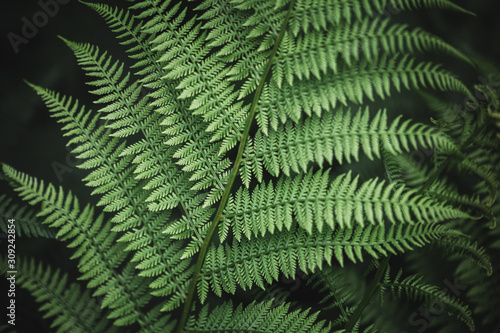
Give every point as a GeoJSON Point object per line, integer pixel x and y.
{"type": "Point", "coordinates": [368, 295]}
{"type": "Point", "coordinates": [232, 176]}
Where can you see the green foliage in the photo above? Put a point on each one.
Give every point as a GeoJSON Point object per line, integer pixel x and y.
{"type": "Point", "coordinates": [334, 136]}
{"type": "Point", "coordinates": [97, 251]}
{"type": "Point", "coordinates": [73, 310]}
{"type": "Point", "coordinates": [255, 262]}
{"type": "Point", "coordinates": [416, 289]}
{"type": "Point", "coordinates": [230, 154]}
{"type": "Point", "coordinates": [26, 222]}
{"type": "Point", "coordinates": [312, 200]}
{"type": "Point", "coordinates": [256, 317]}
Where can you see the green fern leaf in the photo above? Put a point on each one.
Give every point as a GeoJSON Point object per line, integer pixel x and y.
{"type": "Point", "coordinates": [313, 201]}
{"type": "Point", "coordinates": [173, 131]}
{"type": "Point", "coordinates": [25, 221]}
{"type": "Point", "coordinates": [99, 256]}
{"type": "Point", "coordinates": [368, 79]}
{"type": "Point", "coordinates": [318, 52]}
{"type": "Point", "coordinates": [320, 14]}
{"type": "Point", "coordinates": [256, 317]}
{"type": "Point", "coordinates": [261, 260]}
{"type": "Point", "coordinates": [65, 304]}
{"type": "Point", "coordinates": [335, 135]}
{"type": "Point", "coordinates": [416, 289]}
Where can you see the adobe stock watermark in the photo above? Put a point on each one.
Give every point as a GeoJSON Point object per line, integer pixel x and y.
{"type": "Point", "coordinates": [421, 319]}
{"type": "Point", "coordinates": [31, 26]}
{"type": "Point", "coordinates": [71, 162]}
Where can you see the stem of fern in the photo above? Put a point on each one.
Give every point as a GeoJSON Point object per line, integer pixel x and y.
{"type": "Point", "coordinates": [232, 175]}
{"type": "Point", "coordinates": [368, 295]}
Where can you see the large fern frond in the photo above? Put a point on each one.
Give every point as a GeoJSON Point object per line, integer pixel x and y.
{"type": "Point", "coordinates": [123, 194]}
{"type": "Point", "coordinates": [99, 255]}
{"type": "Point", "coordinates": [367, 79]}
{"type": "Point", "coordinates": [255, 317]}
{"type": "Point", "coordinates": [314, 201]}
{"type": "Point", "coordinates": [261, 260]}
{"type": "Point", "coordinates": [338, 136]}
{"type": "Point", "coordinates": [173, 132]}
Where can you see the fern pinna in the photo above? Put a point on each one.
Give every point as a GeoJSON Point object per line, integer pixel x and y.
{"type": "Point", "coordinates": [231, 153]}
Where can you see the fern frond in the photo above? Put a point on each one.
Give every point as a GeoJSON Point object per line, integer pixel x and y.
{"type": "Point", "coordinates": [319, 51]}
{"type": "Point", "coordinates": [487, 174]}
{"type": "Point", "coordinates": [123, 194]}
{"type": "Point", "coordinates": [119, 93]}
{"type": "Point", "coordinates": [193, 147]}
{"type": "Point", "coordinates": [151, 164]}
{"type": "Point", "coordinates": [464, 247]}
{"type": "Point", "coordinates": [414, 288]}
{"type": "Point", "coordinates": [99, 255]}
{"type": "Point", "coordinates": [335, 135]}
{"type": "Point", "coordinates": [26, 223]}
{"type": "Point", "coordinates": [68, 308]}
{"type": "Point", "coordinates": [441, 190]}
{"type": "Point", "coordinates": [256, 317]}
{"type": "Point", "coordinates": [314, 201]}
{"type": "Point", "coordinates": [338, 292]}
{"type": "Point", "coordinates": [261, 260]}
{"type": "Point", "coordinates": [129, 28]}
{"type": "Point", "coordinates": [319, 14]}
{"type": "Point", "coordinates": [367, 79]}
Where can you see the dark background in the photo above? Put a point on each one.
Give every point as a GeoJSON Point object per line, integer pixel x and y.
{"type": "Point", "coordinates": [31, 141]}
